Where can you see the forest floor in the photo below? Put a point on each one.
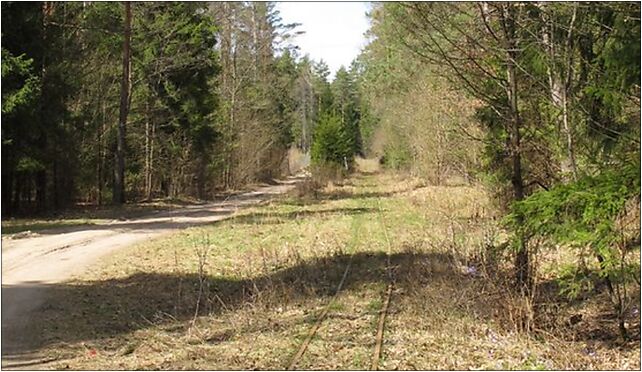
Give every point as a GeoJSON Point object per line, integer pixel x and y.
{"type": "Point", "coordinates": [245, 292]}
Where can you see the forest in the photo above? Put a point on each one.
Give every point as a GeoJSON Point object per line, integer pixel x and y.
{"type": "Point", "coordinates": [105, 105]}
{"type": "Point", "coordinates": [534, 105]}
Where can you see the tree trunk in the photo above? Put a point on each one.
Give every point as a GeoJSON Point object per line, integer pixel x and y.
{"type": "Point", "coordinates": [41, 176]}
{"type": "Point", "coordinates": [16, 196]}
{"type": "Point", "coordinates": [560, 82]}
{"type": "Point", "coordinates": [56, 181]}
{"type": "Point", "coordinates": [615, 300]}
{"type": "Point", "coordinates": [201, 175]}
{"type": "Point", "coordinates": [101, 156]}
{"type": "Point", "coordinates": [41, 190]}
{"type": "Point", "coordinates": [229, 84]}
{"type": "Point", "coordinates": [149, 176]}
{"type": "Point", "coordinates": [440, 157]}
{"type": "Point", "coordinates": [255, 42]}
{"type": "Point", "coordinates": [119, 179]}
{"type": "Point", "coordinates": [522, 264]}
{"type": "Point", "coordinates": [99, 170]}
{"type": "Point", "coordinates": [570, 147]}
{"type": "Point", "coordinates": [148, 156]}
{"type": "Point", "coordinates": [7, 188]}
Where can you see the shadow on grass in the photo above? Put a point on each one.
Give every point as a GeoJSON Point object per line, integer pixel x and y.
{"type": "Point", "coordinates": [44, 226]}
{"type": "Point", "coordinates": [597, 322]}
{"type": "Point", "coordinates": [103, 309]}
{"type": "Point", "coordinates": [282, 217]}
{"type": "Point", "coordinates": [322, 197]}
{"type": "Point", "coordinates": [182, 219]}
{"type": "Point", "coordinates": [163, 221]}
{"type": "Point", "coordinates": [155, 219]}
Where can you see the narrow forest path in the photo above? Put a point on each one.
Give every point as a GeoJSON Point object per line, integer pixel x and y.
{"type": "Point", "coordinates": [30, 264]}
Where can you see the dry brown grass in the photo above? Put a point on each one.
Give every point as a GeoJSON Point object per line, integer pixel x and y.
{"type": "Point", "coordinates": [297, 160]}
{"type": "Point", "coordinates": [369, 165]}
{"type": "Point", "coordinates": [272, 269]}
{"type": "Point", "coordinates": [319, 177]}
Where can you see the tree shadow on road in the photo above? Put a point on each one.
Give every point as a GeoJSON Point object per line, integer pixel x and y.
{"type": "Point", "coordinates": [137, 217]}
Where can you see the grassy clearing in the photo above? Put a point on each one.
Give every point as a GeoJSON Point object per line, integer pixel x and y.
{"type": "Point", "coordinates": [243, 293]}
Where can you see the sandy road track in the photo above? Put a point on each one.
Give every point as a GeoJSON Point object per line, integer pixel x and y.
{"type": "Point", "coordinates": [53, 256]}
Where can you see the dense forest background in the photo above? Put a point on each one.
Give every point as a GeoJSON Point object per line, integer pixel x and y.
{"type": "Point", "coordinates": [112, 102]}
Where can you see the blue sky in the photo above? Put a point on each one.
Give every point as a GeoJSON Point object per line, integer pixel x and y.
{"type": "Point", "coordinates": [333, 30]}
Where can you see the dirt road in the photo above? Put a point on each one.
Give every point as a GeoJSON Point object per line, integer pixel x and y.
{"type": "Point", "coordinates": [30, 264]}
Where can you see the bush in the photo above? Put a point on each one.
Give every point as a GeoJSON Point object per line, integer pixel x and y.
{"type": "Point", "coordinates": [320, 176]}
{"type": "Point", "coordinates": [396, 157]}
{"type": "Point", "coordinates": [331, 143]}
{"type": "Point", "coordinates": [588, 214]}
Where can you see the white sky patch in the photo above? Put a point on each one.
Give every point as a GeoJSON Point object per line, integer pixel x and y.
{"type": "Point", "coordinates": [334, 31]}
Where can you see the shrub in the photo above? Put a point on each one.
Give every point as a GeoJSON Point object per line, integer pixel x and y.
{"type": "Point", "coordinates": [331, 143]}
{"type": "Point", "coordinates": [320, 176]}
{"type": "Point", "coordinates": [397, 157]}
{"type": "Point", "coordinates": [587, 214]}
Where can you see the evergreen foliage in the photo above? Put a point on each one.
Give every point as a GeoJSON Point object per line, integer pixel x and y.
{"type": "Point", "coordinates": [19, 83]}
{"type": "Point", "coordinates": [582, 213]}
{"type": "Point", "coordinates": [332, 142]}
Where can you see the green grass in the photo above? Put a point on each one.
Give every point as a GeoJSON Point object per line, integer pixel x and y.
{"type": "Point", "coordinates": [375, 305]}
{"type": "Point", "coordinates": [336, 306]}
